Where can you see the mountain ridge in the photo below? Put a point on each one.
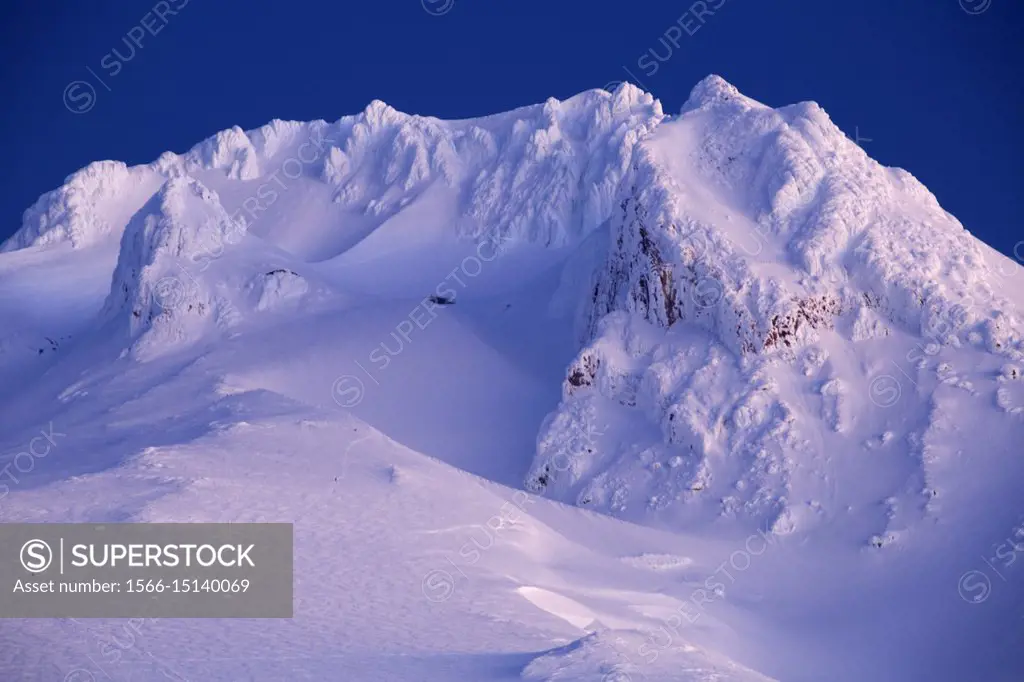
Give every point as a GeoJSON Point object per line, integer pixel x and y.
{"type": "Point", "coordinates": [786, 380]}
{"type": "Point", "coordinates": [764, 231]}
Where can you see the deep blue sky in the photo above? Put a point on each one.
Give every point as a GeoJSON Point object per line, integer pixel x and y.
{"type": "Point", "coordinates": [935, 89]}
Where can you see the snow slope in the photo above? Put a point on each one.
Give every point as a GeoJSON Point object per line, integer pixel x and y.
{"type": "Point", "coordinates": [774, 305]}
{"type": "Point", "coordinates": [764, 394]}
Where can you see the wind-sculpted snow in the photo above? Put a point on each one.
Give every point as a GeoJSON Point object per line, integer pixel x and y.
{"type": "Point", "coordinates": [545, 174]}
{"type": "Point", "coordinates": [231, 151]}
{"type": "Point", "coordinates": [784, 357]}
{"type": "Point", "coordinates": [152, 295]}
{"type": "Point", "coordinates": [786, 187]}
{"type": "Point", "coordinates": [85, 208]}
{"type": "Point", "coordinates": [741, 275]}
{"type": "Point", "coordinates": [749, 247]}
{"type": "Point", "coordinates": [97, 201]}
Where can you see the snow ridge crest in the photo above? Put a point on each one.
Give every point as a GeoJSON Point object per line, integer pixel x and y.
{"type": "Point", "coordinates": [748, 245]}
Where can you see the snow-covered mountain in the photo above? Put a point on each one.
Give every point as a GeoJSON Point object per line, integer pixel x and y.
{"type": "Point", "coordinates": [726, 330]}
{"type": "Point", "coordinates": [771, 305]}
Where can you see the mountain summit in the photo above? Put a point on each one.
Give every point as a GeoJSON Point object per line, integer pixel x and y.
{"type": "Point", "coordinates": [789, 383]}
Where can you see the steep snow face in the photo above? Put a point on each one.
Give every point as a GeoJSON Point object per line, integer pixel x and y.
{"type": "Point", "coordinates": [230, 151]}
{"type": "Point", "coordinates": [772, 305]}
{"type": "Point", "coordinates": [152, 295]}
{"type": "Point", "coordinates": [93, 203]}
{"type": "Point", "coordinates": [545, 174]}
{"type": "Point", "coordinates": [96, 202]}
{"type": "Point", "coordinates": [788, 225]}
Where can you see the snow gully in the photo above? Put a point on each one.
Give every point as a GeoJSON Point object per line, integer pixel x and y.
{"type": "Point", "coordinates": [424, 312]}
